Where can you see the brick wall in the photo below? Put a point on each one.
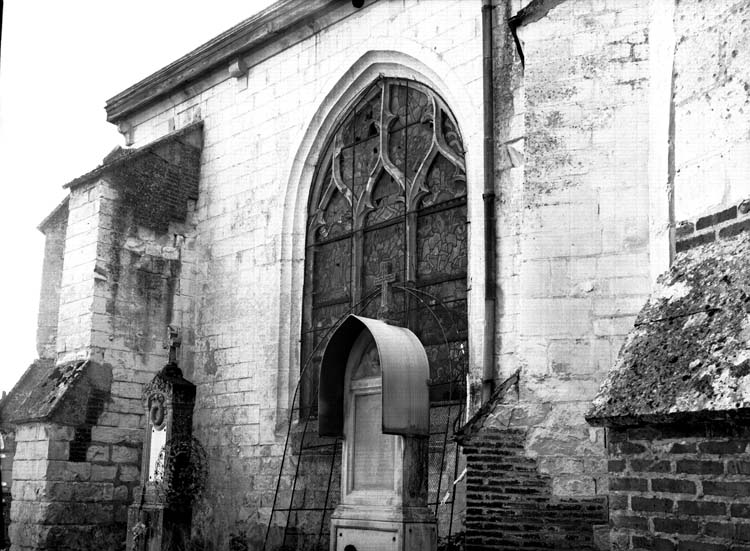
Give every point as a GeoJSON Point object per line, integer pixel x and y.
{"type": "Point", "coordinates": [713, 227]}
{"type": "Point", "coordinates": [684, 487]}
{"type": "Point", "coordinates": [510, 503]}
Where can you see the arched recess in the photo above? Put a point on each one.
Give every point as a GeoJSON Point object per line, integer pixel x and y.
{"type": "Point", "coordinates": [402, 365]}
{"type": "Point", "coordinates": [425, 68]}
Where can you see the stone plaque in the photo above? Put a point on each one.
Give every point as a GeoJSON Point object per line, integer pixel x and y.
{"type": "Point", "coordinates": [373, 450]}
{"type": "Point", "coordinates": [158, 439]}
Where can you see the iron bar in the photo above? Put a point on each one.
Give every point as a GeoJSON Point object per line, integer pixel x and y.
{"type": "Point", "coordinates": [328, 491]}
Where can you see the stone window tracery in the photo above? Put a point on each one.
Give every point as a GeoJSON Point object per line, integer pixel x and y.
{"type": "Point", "coordinates": [390, 187]}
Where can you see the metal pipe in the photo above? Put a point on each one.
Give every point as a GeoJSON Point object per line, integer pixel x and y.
{"type": "Point", "coordinates": [490, 280]}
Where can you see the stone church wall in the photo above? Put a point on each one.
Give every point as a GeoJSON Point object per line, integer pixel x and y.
{"type": "Point", "coordinates": [247, 319]}
{"type": "Point", "coordinates": [54, 231]}
{"type": "Point", "coordinates": [711, 100]}
{"type": "Point", "coordinates": [574, 256]}
{"type": "Point", "coordinates": [7, 453]}
{"type": "Point", "coordinates": [59, 504]}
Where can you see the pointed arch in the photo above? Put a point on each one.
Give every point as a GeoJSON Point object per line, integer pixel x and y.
{"type": "Point", "coordinates": [417, 64]}
{"type": "Point", "coordinates": [389, 194]}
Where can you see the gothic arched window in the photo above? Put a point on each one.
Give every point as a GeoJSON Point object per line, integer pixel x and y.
{"type": "Point", "coordinates": [389, 196]}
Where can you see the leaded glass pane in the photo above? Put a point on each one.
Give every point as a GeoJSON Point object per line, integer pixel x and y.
{"type": "Point", "coordinates": [367, 118]}
{"type": "Point", "coordinates": [387, 200]}
{"type": "Point", "coordinates": [445, 181]}
{"type": "Point", "coordinates": [346, 164]}
{"type": "Point", "coordinates": [444, 322]}
{"type": "Point", "coordinates": [441, 244]}
{"type": "Point", "coordinates": [452, 137]}
{"type": "Point", "coordinates": [447, 291]}
{"type": "Point", "coordinates": [397, 149]}
{"type": "Point", "coordinates": [337, 218]}
{"type": "Point", "coordinates": [366, 156]}
{"type": "Point", "coordinates": [419, 106]}
{"type": "Point", "coordinates": [332, 272]}
{"type": "Point", "coordinates": [325, 317]}
{"type": "Point", "coordinates": [418, 141]}
{"type": "Point", "coordinates": [398, 106]}
{"type": "Point", "coordinates": [448, 363]}
{"type": "Point", "coordinates": [347, 130]}
{"type": "Point", "coordinates": [383, 245]}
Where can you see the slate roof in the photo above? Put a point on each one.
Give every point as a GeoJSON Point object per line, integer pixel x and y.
{"type": "Point", "coordinates": [688, 355]}
{"type": "Point", "coordinates": [39, 391]}
{"type": "Point", "coordinates": [56, 393]}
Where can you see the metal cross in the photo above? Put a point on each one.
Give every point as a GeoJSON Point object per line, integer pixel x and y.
{"type": "Point", "coordinates": [385, 277]}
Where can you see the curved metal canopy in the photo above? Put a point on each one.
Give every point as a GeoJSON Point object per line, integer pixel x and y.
{"type": "Point", "coordinates": [405, 372]}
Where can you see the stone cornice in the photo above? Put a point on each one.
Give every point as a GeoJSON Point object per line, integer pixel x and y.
{"type": "Point", "coordinates": [253, 33]}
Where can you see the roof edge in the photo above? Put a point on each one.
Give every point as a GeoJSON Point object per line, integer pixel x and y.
{"type": "Point", "coordinates": [131, 154]}
{"type": "Point", "coordinates": [47, 219]}
{"type": "Point", "coordinates": [475, 423]}
{"type": "Point", "coordinates": [651, 419]}
{"type": "Point", "coordinates": [249, 35]}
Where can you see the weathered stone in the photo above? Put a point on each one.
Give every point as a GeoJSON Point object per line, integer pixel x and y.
{"type": "Point", "coordinates": [103, 472]}
{"type": "Point", "coordinates": [128, 473]}
{"type": "Point", "coordinates": [686, 352]}
{"type": "Point", "coordinates": [97, 454]}
{"type": "Point", "coordinates": [125, 454]}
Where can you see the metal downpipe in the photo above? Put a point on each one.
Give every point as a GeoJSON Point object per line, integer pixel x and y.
{"type": "Point", "coordinates": [488, 196]}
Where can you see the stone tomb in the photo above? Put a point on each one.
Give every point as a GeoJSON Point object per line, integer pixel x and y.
{"type": "Point", "coordinates": [373, 393]}
{"type": "Point", "coordinates": [160, 517]}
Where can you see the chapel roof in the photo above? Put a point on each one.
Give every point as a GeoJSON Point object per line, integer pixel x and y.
{"type": "Point", "coordinates": [47, 392]}
{"type": "Point", "coordinates": [688, 354]}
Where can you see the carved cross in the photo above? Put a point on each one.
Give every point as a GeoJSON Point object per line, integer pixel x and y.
{"type": "Point", "coordinates": [174, 340]}
{"type": "Point", "coordinates": [385, 278]}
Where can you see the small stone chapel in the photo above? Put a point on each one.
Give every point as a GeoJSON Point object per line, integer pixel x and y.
{"type": "Point", "coordinates": [404, 274]}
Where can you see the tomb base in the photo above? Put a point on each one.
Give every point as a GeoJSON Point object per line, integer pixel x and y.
{"type": "Point", "coordinates": [367, 528]}
{"type": "Point", "coordinates": [155, 527]}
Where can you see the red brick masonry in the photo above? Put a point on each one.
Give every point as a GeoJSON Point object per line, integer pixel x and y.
{"type": "Point", "coordinates": [680, 487]}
